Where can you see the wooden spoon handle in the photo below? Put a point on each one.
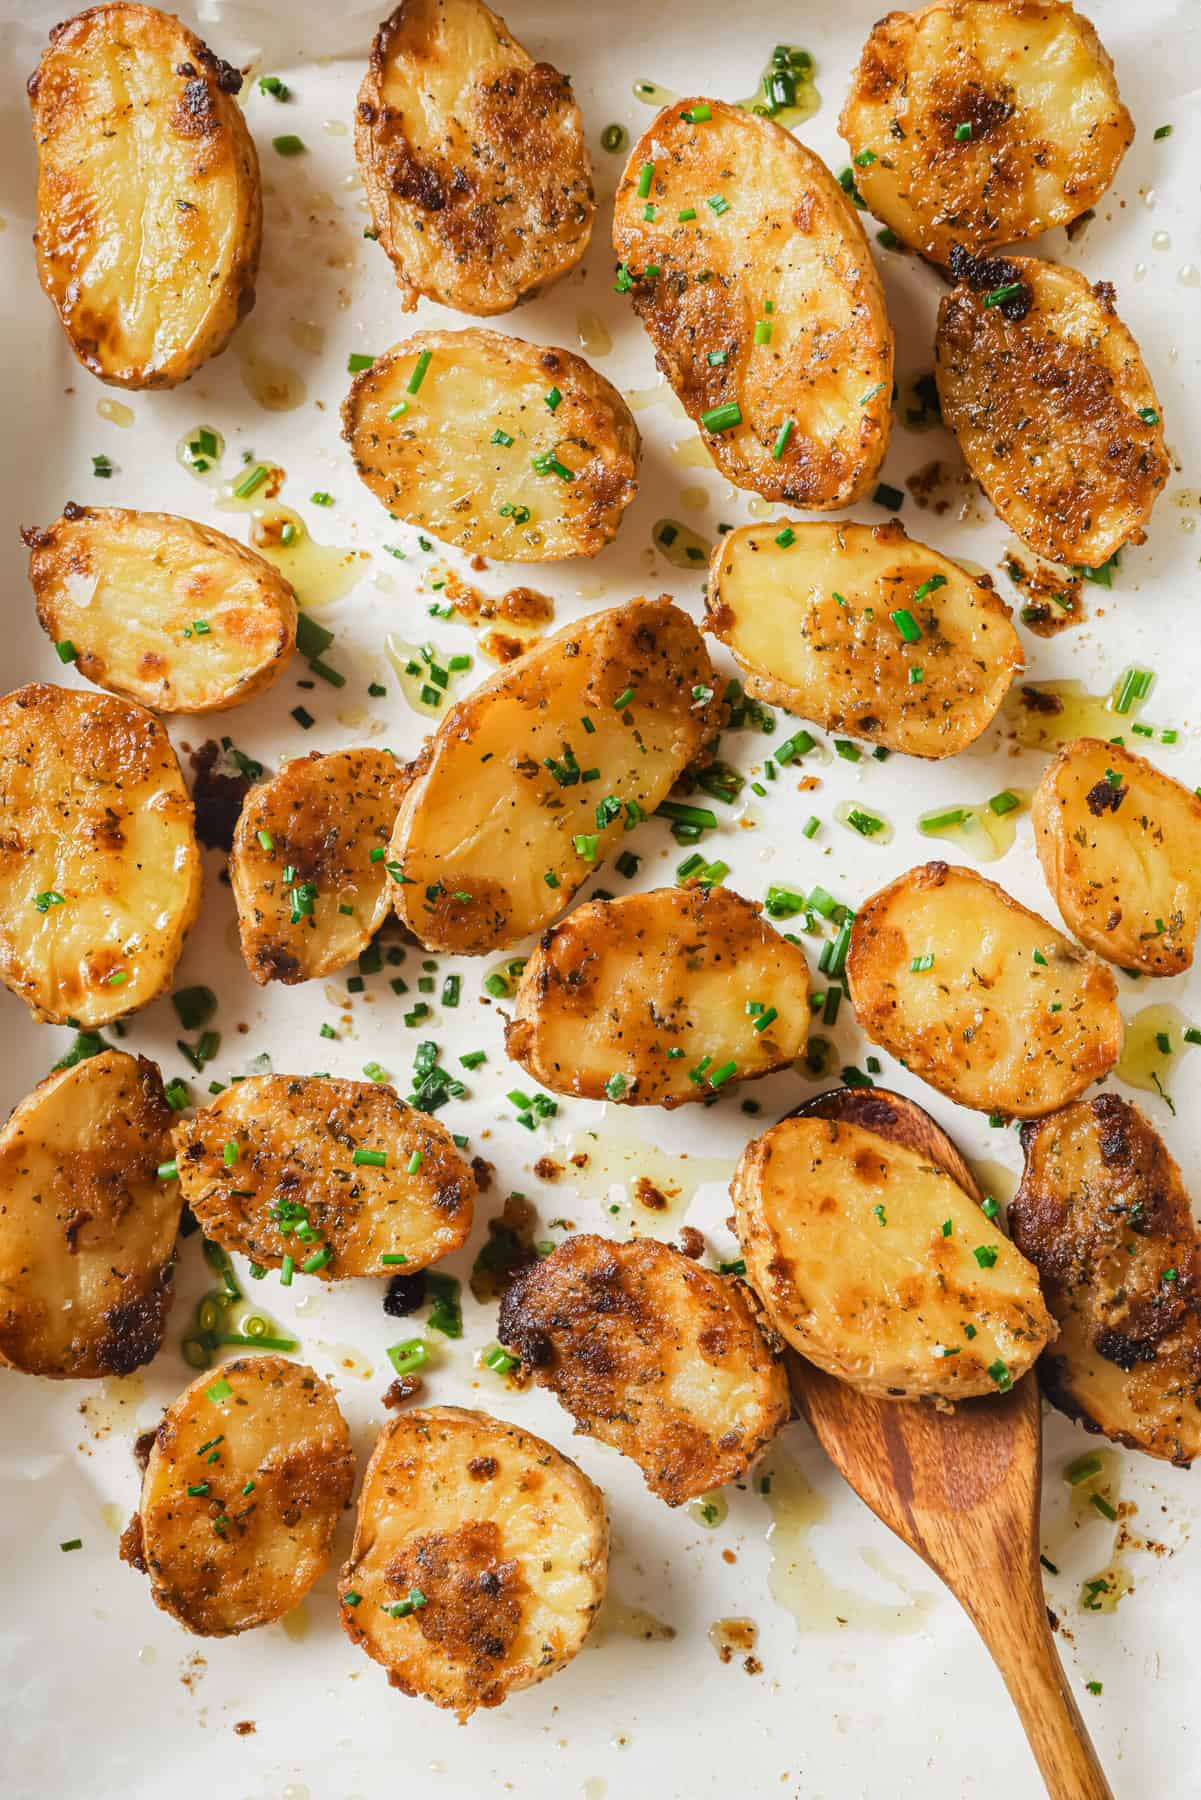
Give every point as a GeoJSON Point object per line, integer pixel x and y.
{"type": "Point", "coordinates": [1015, 1629]}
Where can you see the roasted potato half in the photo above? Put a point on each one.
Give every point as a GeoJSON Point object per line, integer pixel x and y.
{"type": "Point", "coordinates": [863, 630]}
{"type": "Point", "coordinates": [979, 122]}
{"type": "Point", "coordinates": [502, 448]}
{"type": "Point", "coordinates": [479, 1560]}
{"type": "Point", "coordinates": [661, 998]}
{"type": "Point", "coordinates": [1103, 1215]}
{"type": "Point", "coordinates": [504, 818]}
{"type": "Point", "coordinates": [249, 1471]}
{"type": "Point", "coordinates": [1053, 408]}
{"type": "Point", "coordinates": [473, 159]}
{"type": "Point", "coordinates": [87, 1230]}
{"type": "Point", "coordinates": [149, 213]}
{"type": "Point", "coordinates": [652, 1354]}
{"type": "Point", "coordinates": [879, 1268]}
{"type": "Point", "coordinates": [161, 610]}
{"type": "Point", "coordinates": [750, 237]}
{"type": "Point", "coordinates": [99, 867]}
{"type": "Point", "coordinates": [1120, 846]}
{"type": "Point", "coordinates": [980, 997]}
{"type": "Point", "coordinates": [320, 1168]}
{"type": "Point", "coordinates": [303, 851]}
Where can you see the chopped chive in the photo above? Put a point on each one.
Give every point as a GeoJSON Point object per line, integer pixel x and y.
{"type": "Point", "coordinates": [906, 624]}
{"type": "Point", "coordinates": [370, 1159]}
{"type": "Point", "coordinates": [963, 132]}
{"type": "Point", "coordinates": [1148, 415]}
{"type": "Point", "coordinates": [786, 538]}
{"type": "Point", "coordinates": [782, 437]}
{"type": "Point", "coordinates": [65, 651]}
{"type": "Point", "coordinates": [697, 115]}
{"type": "Point", "coordinates": [999, 295]}
{"type": "Point", "coordinates": [865, 159]}
{"type": "Point", "coordinates": [356, 362]}
{"type": "Point", "coordinates": [1004, 802]}
{"type": "Point", "coordinates": [419, 371]}
{"type": "Point", "coordinates": [718, 204]}
{"type": "Point", "coordinates": [288, 145]}
{"type": "Point", "coordinates": [722, 418]}
{"type": "Point", "coordinates": [763, 331]}
{"type": "Point", "coordinates": [252, 480]}
{"type": "Point", "coordinates": [919, 964]}
{"type": "Point", "coordinates": [1161, 131]}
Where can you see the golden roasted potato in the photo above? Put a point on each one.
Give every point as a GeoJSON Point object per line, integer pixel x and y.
{"type": "Point", "coordinates": [161, 610]}
{"type": "Point", "coordinates": [303, 850]}
{"type": "Point", "coordinates": [980, 997]}
{"type": "Point", "coordinates": [149, 213]}
{"type": "Point", "coordinates": [1120, 846]}
{"type": "Point", "coordinates": [249, 1471]}
{"type": "Point", "coordinates": [652, 1354]}
{"type": "Point", "coordinates": [1103, 1215]}
{"type": "Point", "coordinates": [99, 867]}
{"type": "Point", "coordinates": [879, 1268]}
{"type": "Point", "coordinates": [863, 630]}
{"type": "Point", "coordinates": [473, 159]}
{"type": "Point", "coordinates": [1054, 411]}
{"type": "Point", "coordinates": [479, 1560]}
{"type": "Point", "coordinates": [661, 998]}
{"type": "Point", "coordinates": [502, 823]}
{"type": "Point", "coordinates": [980, 122]}
{"type": "Point", "coordinates": [87, 1229]}
{"type": "Point", "coordinates": [304, 1178]}
{"type": "Point", "coordinates": [502, 448]}
{"type": "Point", "coordinates": [752, 237]}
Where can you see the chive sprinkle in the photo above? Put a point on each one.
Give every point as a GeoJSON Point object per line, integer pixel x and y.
{"type": "Point", "coordinates": [782, 437]}
{"type": "Point", "coordinates": [724, 417]}
{"type": "Point", "coordinates": [419, 371]}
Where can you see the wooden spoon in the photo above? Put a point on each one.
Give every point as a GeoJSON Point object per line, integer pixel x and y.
{"type": "Point", "coordinates": [961, 1488]}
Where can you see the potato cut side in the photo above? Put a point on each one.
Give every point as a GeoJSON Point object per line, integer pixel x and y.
{"type": "Point", "coordinates": [980, 997]}
{"type": "Point", "coordinates": [479, 1560]}
{"type": "Point", "coordinates": [99, 867]}
{"type": "Point", "coordinates": [628, 999]}
{"type": "Point", "coordinates": [1120, 846]}
{"type": "Point", "coordinates": [1103, 1215]}
{"type": "Point", "coordinates": [1053, 408]}
{"type": "Point", "coordinates": [499, 827]}
{"type": "Point", "coordinates": [863, 630]}
{"type": "Point", "coordinates": [877, 1267]}
{"type": "Point", "coordinates": [461, 432]}
{"type": "Point", "coordinates": [370, 1184]}
{"type": "Point", "coordinates": [87, 1230]}
{"type": "Point", "coordinates": [249, 1471]}
{"type": "Point", "coordinates": [653, 1354]}
{"type": "Point", "coordinates": [149, 212]}
{"type": "Point", "coordinates": [303, 850]}
{"type": "Point", "coordinates": [473, 159]}
{"type": "Point", "coordinates": [805, 415]}
{"type": "Point", "coordinates": [161, 610]}
{"type": "Point", "coordinates": [979, 122]}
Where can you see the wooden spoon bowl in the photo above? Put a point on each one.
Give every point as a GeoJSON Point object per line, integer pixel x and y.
{"type": "Point", "coordinates": [962, 1488]}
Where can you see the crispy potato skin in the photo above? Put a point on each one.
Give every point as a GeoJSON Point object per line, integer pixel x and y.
{"type": "Point", "coordinates": [979, 1025]}
{"type": "Point", "coordinates": [324, 816]}
{"type": "Point", "coordinates": [653, 1354]}
{"type": "Point", "coordinates": [1037, 87]}
{"type": "Point", "coordinates": [224, 1561]}
{"type": "Point", "coordinates": [1122, 858]}
{"type": "Point", "coordinates": [1044, 395]}
{"type": "Point", "coordinates": [506, 1540]}
{"type": "Point", "coordinates": [789, 235]}
{"type": "Point", "coordinates": [473, 159]}
{"type": "Point", "coordinates": [149, 210]}
{"type": "Point", "coordinates": [93, 807]}
{"type": "Point", "coordinates": [437, 466]}
{"type": "Point", "coordinates": [620, 983]}
{"type": "Point", "coordinates": [485, 817]}
{"type": "Point", "coordinates": [843, 1237]}
{"type": "Point", "coordinates": [296, 1138]}
{"type": "Point", "coordinates": [87, 1231]}
{"type": "Point", "coordinates": [847, 667]}
{"type": "Point", "coordinates": [126, 588]}
{"type": "Point", "coordinates": [1102, 1213]}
